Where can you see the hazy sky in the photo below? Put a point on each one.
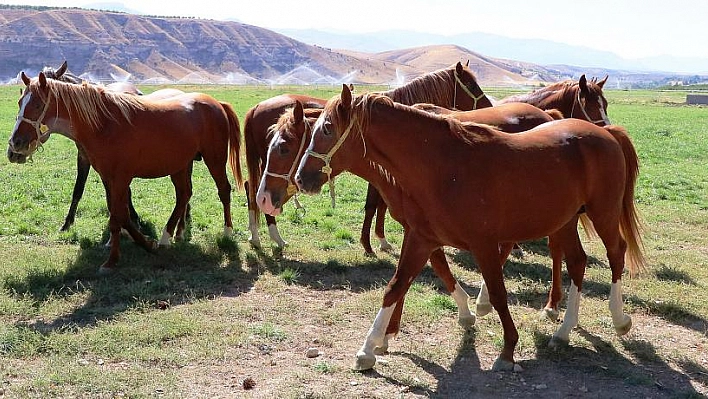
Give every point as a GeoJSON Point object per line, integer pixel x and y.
{"type": "Point", "coordinates": [631, 29]}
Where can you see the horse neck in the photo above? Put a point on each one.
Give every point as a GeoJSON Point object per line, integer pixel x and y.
{"type": "Point", "coordinates": [388, 151]}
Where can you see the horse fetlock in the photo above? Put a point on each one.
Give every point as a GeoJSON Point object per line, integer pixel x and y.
{"type": "Point", "coordinates": [165, 240]}
{"type": "Point", "coordinates": [384, 245]}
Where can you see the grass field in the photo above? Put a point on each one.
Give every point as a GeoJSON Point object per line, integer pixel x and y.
{"type": "Point", "coordinates": [212, 316]}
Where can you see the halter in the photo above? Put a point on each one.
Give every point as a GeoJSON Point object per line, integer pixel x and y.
{"type": "Point", "coordinates": [604, 119]}
{"type": "Point", "coordinates": [40, 128]}
{"type": "Point", "coordinates": [292, 188]}
{"type": "Point", "coordinates": [326, 158]}
{"type": "Point", "coordinates": [467, 90]}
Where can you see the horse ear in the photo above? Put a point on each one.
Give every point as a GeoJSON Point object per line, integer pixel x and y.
{"type": "Point", "coordinates": [298, 112]}
{"type": "Point", "coordinates": [61, 69]}
{"type": "Point", "coordinates": [583, 84]}
{"type": "Point", "coordinates": [346, 96]}
{"type": "Point", "coordinates": [602, 82]}
{"type": "Point", "coordinates": [467, 64]}
{"type": "Point", "coordinates": [458, 68]}
{"type": "Point", "coordinates": [42, 80]}
{"type": "Point", "coordinates": [25, 79]}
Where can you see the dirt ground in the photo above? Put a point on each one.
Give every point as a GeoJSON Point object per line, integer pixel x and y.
{"type": "Point", "coordinates": [441, 360]}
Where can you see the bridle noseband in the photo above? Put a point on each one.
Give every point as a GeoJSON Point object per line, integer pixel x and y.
{"type": "Point", "coordinates": [466, 90]}
{"type": "Point", "coordinates": [326, 158]}
{"type": "Point", "coordinates": [604, 119]}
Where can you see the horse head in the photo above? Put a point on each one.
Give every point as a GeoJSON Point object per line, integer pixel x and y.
{"type": "Point", "coordinates": [324, 144]}
{"type": "Point", "coordinates": [590, 103]}
{"type": "Point", "coordinates": [286, 147]}
{"type": "Point", "coordinates": [30, 130]}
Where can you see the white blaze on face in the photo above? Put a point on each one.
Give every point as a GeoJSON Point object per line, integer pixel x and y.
{"type": "Point", "coordinates": [602, 112]}
{"type": "Point", "coordinates": [23, 104]}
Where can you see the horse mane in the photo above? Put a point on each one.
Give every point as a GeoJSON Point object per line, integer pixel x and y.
{"type": "Point", "coordinates": [433, 87]}
{"type": "Point", "coordinates": [555, 92]}
{"type": "Point", "coordinates": [90, 103]}
{"type": "Point", "coordinates": [468, 132]}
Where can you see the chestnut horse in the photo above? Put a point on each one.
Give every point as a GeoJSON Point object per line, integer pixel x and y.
{"type": "Point", "coordinates": [82, 163]}
{"type": "Point", "coordinates": [581, 99]}
{"type": "Point", "coordinates": [155, 138]}
{"type": "Point", "coordinates": [567, 166]}
{"type": "Point", "coordinates": [452, 87]}
{"type": "Point", "coordinates": [286, 148]}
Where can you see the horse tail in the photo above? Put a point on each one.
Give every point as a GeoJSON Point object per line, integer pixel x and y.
{"type": "Point", "coordinates": [555, 114]}
{"type": "Point", "coordinates": [253, 164]}
{"type": "Point", "coordinates": [234, 143]}
{"type": "Point", "coordinates": [630, 224]}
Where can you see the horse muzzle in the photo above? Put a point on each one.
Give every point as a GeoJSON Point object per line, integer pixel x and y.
{"type": "Point", "coordinates": [15, 157]}
{"type": "Point", "coordinates": [310, 182]}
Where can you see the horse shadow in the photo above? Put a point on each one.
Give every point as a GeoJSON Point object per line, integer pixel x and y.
{"type": "Point", "coordinates": [181, 274]}
{"type": "Point", "coordinates": [596, 372]}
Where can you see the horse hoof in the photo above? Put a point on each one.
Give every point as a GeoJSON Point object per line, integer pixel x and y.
{"type": "Point", "coordinates": [105, 271]}
{"type": "Point", "coordinates": [228, 232]}
{"type": "Point", "coordinates": [550, 314]}
{"type": "Point", "coordinates": [386, 247]}
{"type": "Point", "coordinates": [483, 309]}
{"type": "Point", "coordinates": [163, 243]}
{"type": "Point", "coordinates": [255, 243]}
{"type": "Point", "coordinates": [364, 362]}
{"type": "Point", "coordinates": [503, 365]}
{"type": "Point", "coordinates": [517, 253]}
{"type": "Point", "coordinates": [557, 342]}
{"type": "Point", "coordinates": [467, 322]}
{"type": "Point", "coordinates": [625, 326]}
{"type": "Point", "coordinates": [371, 254]}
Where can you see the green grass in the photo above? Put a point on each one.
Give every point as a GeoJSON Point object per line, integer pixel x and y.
{"type": "Point", "coordinates": [235, 311]}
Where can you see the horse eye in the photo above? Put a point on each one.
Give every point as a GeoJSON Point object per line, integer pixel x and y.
{"type": "Point", "coordinates": [283, 150]}
{"type": "Point", "coordinates": [327, 127]}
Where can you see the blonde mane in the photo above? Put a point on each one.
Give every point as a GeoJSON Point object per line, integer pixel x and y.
{"type": "Point", "coordinates": [90, 103]}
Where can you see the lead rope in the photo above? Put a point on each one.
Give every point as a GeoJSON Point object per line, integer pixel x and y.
{"type": "Point", "coordinates": [326, 158]}
{"type": "Point", "coordinates": [467, 90]}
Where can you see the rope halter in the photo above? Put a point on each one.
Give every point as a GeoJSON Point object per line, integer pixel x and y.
{"type": "Point", "coordinates": [292, 188]}
{"type": "Point", "coordinates": [603, 119]}
{"type": "Point", "coordinates": [466, 90]}
{"type": "Point", "coordinates": [41, 129]}
{"type": "Point", "coordinates": [326, 158]}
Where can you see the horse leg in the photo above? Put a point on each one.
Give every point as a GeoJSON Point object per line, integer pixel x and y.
{"type": "Point", "coordinates": [273, 231]}
{"type": "Point", "coordinates": [182, 221]}
{"type": "Point", "coordinates": [482, 305]}
{"type": "Point", "coordinates": [488, 258]}
{"type": "Point", "coordinates": [372, 199]}
{"type": "Point", "coordinates": [379, 229]}
{"type": "Point", "coordinates": [517, 251]}
{"type": "Point", "coordinates": [218, 173]}
{"type": "Point", "coordinates": [441, 267]}
{"type": "Point", "coordinates": [465, 317]}
{"type": "Point", "coordinates": [616, 247]}
{"type": "Point", "coordinates": [414, 253]}
{"type": "Point", "coordinates": [566, 241]}
{"type": "Point", "coordinates": [252, 217]}
{"type": "Point", "coordinates": [119, 218]}
{"type": "Point", "coordinates": [82, 170]}
{"type": "Point", "coordinates": [555, 247]}
{"type": "Point", "coordinates": [183, 192]}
